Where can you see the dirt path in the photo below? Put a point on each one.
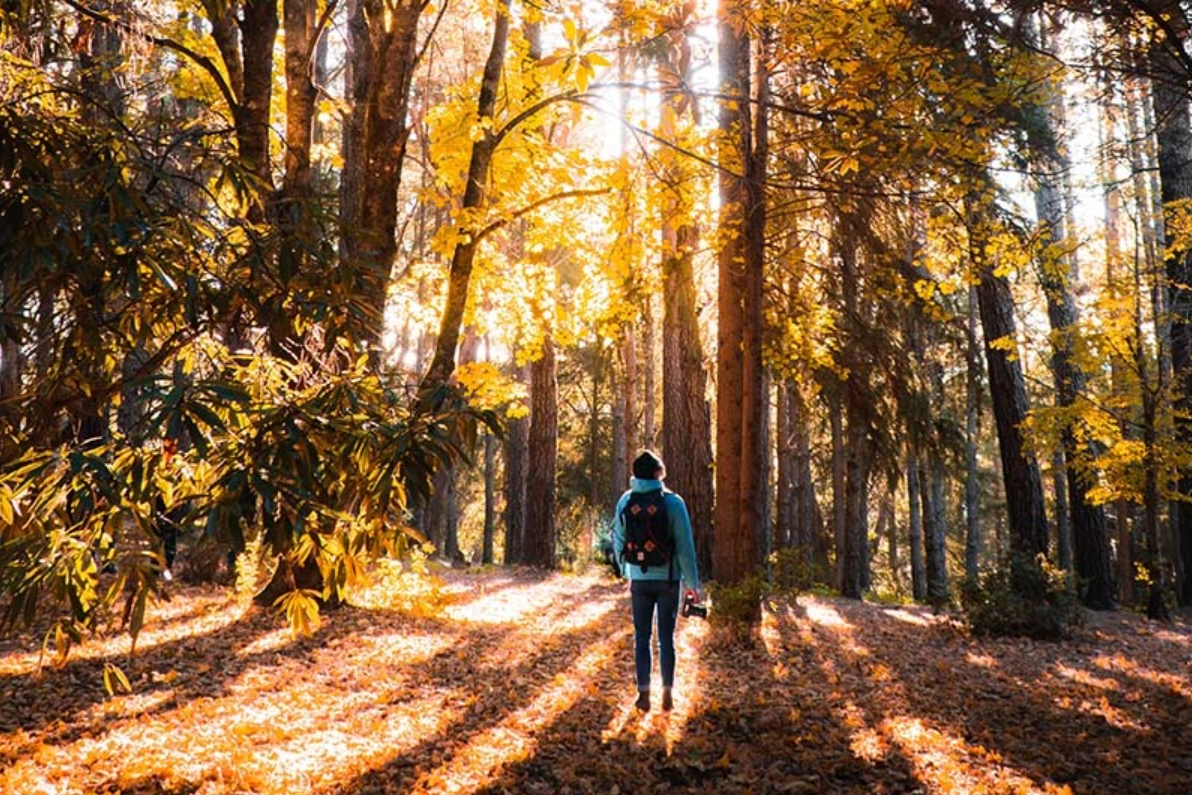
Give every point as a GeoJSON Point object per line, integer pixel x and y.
{"type": "Point", "coordinates": [524, 684]}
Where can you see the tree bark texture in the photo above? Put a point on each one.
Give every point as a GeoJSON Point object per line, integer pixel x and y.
{"type": "Point", "coordinates": [1020, 472]}
{"type": "Point", "coordinates": [543, 452]}
{"type": "Point", "coordinates": [686, 413]}
{"type": "Point", "coordinates": [915, 511]}
{"type": "Point", "coordinates": [738, 357]}
{"type": "Point", "coordinates": [490, 499]}
{"type": "Point", "coordinates": [1174, 135]}
{"type": "Point", "coordinates": [972, 412]}
{"type": "Point", "coordinates": [382, 40]}
{"type": "Point", "coordinates": [516, 449]}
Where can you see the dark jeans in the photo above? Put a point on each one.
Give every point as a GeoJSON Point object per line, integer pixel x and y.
{"type": "Point", "coordinates": [647, 595]}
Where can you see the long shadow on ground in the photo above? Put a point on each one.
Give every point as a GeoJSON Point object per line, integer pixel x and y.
{"type": "Point", "coordinates": [1042, 709]}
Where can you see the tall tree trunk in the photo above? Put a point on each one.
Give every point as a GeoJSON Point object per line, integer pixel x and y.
{"type": "Point", "coordinates": [1020, 472]}
{"type": "Point", "coordinates": [686, 413]}
{"type": "Point", "coordinates": [650, 405]}
{"type": "Point", "coordinates": [594, 440]}
{"type": "Point", "coordinates": [784, 520]}
{"type": "Point", "coordinates": [935, 536]}
{"type": "Point", "coordinates": [738, 357]}
{"type": "Point", "coordinates": [490, 499]}
{"type": "Point", "coordinates": [1174, 136]}
{"type": "Point", "coordinates": [915, 510]}
{"type": "Point", "coordinates": [972, 474]}
{"type": "Point", "coordinates": [543, 450]}
{"type": "Point", "coordinates": [517, 444]}
{"type": "Point", "coordinates": [839, 497]}
{"type": "Point", "coordinates": [620, 461]}
{"type": "Point", "coordinates": [630, 387]}
{"type": "Point", "coordinates": [382, 40]}
{"type": "Point", "coordinates": [1085, 525]}
{"type": "Point", "coordinates": [764, 539]}
{"type": "Point", "coordinates": [856, 529]}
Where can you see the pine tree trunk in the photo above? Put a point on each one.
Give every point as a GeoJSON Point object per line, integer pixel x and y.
{"type": "Point", "coordinates": [855, 508]}
{"type": "Point", "coordinates": [764, 540]}
{"type": "Point", "coordinates": [915, 510]}
{"type": "Point", "coordinates": [1174, 136]}
{"type": "Point", "coordinates": [543, 451]}
{"type": "Point", "coordinates": [972, 475]}
{"type": "Point", "coordinates": [686, 413]}
{"type": "Point", "coordinates": [650, 406]}
{"type": "Point", "coordinates": [1020, 472]}
{"type": "Point", "coordinates": [784, 520]}
{"type": "Point", "coordinates": [733, 538]}
{"type": "Point", "coordinates": [839, 498]}
{"type": "Point", "coordinates": [490, 499]}
{"type": "Point", "coordinates": [516, 450]}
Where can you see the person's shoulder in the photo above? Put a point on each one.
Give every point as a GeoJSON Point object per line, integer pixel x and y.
{"type": "Point", "coordinates": [673, 497]}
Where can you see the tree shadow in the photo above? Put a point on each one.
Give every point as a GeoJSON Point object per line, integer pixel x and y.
{"type": "Point", "coordinates": [1036, 706]}
{"type": "Point", "coordinates": [57, 707]}
{"type": "Point", "coordinates": [512, 688]}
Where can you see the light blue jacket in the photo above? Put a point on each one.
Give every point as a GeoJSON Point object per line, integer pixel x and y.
{"type": "Point", "coordinates": [684, 566]}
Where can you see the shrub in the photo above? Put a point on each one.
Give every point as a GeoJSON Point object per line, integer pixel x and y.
{"type": "Point", "coordinates": [1022, 597]}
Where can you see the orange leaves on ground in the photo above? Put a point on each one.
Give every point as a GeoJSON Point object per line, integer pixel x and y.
{"type": "Point", "coordinates": [521, 683]}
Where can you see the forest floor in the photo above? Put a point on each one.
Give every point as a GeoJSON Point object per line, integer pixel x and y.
{"type": "Point", "coordinates": [522, 683]}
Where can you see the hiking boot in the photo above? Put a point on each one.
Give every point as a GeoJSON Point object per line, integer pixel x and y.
{"type": "Point", "coordinates": [643, 700]}
{"type": "Point", "coordinates": [667, 702]}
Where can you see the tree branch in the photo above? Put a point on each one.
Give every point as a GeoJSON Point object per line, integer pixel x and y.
{"type": "Point", "coordinates": [200, 60]}
{"type": "Point", "coordinates": [534, 205]}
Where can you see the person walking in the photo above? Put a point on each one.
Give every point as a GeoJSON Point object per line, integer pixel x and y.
{"type": "Point", "coordinates": [653, 544]}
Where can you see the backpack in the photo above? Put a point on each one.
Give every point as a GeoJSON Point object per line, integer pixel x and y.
{"type": "Point", "coordinates": [648, 540]}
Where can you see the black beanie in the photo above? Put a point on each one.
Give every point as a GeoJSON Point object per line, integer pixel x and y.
{"type": "Point", "coordinates": [646, 466]}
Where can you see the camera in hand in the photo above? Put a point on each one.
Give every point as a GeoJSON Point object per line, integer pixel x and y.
{"type": "Point", "coordinates": [692, 607]}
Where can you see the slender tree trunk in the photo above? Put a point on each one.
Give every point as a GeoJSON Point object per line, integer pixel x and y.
{"type": "Point", "coordinates": [915, 510]}
{"type": "Point", "coordinates": [443, 363]}
{"type": "Point", "coordinates": [1020, 472]}
{"type": "Point", "coordinates": [630, 387]}
{"type": "Point", "coordinates": [517, 443]}
{"type": "Point", "coordinates": [972, 475]}
{"type": "Point", "coordinates": [650, 407]}
{"type": "Point", "coordinates": [382, 41]}
{"type": "Point", "coordinates": [543, 451]}
{"type": "Point", "coordinates": [620, 464]}
{"type": "Point", "coordinates": [764, 540]}
{"type": "Point", "coordinates": [839, 496]}
{"type": "Point", "coordinates": [594, 440]}
{"type": "Point", "coordinates": [490, 499]}
{"type": "Point", "coordinates": [855, 535]}
{"type": "Point", "coordinates": [787, 477]}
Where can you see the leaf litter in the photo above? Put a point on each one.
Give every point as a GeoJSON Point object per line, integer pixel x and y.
{"type": "Point", "coordinates": [516, 682]}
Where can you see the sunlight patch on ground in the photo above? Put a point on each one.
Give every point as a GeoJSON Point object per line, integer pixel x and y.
{"type": "Point", "coordinates": [517, 605]}
{"type": "Point", "coordinates": [513, 740]}
{"type": "Point", "coordinates": [981, 660]}
{"type": "Point", "coordinates": [825, 615]}
{"type": "Point", "coordinates": [270, 641]}
{"type": "Point", "coordinates": [1086, 678]}
{"type": "Point", "coordinates": [907, 617]}
{"type": "Point", "coordinates": [1119, 664]}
